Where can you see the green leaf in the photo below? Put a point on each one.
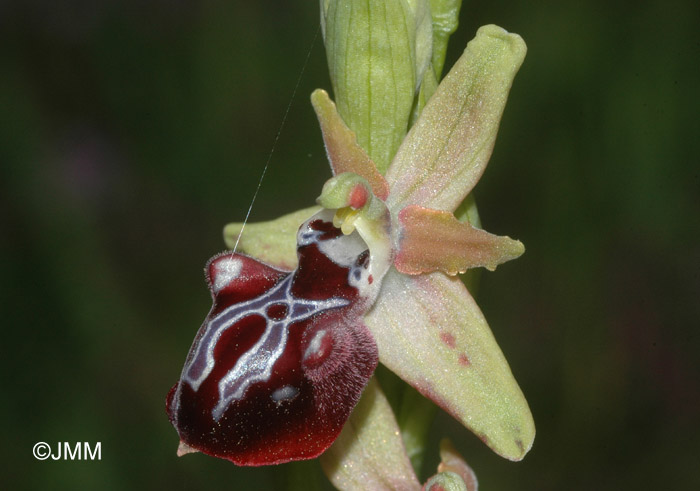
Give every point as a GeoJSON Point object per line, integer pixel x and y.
{"type": "Point", "coordinates": [448, 148]}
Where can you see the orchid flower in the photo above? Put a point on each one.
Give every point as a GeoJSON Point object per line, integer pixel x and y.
{"type": "Point", "coordinates": [299, 321]}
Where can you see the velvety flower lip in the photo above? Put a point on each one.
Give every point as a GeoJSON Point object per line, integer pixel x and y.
{"type": "Point", "coordinates": [427, 327]}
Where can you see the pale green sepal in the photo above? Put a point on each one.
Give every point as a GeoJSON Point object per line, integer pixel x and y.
{"type": "Point", "coordinates": [447, 149]}
{"type": "Point", "coordinates": [273, 242]}
{"type": "Point", "coordinates": [445, 481]}
{"type": "Point", "coordinates": [369, 453]}
{"type": "Point", "coordinates": [445, 15]}
{"type": "Point", "coordinates": [373, 64]}
{"type": "Point", "coordinates": [431, 333]}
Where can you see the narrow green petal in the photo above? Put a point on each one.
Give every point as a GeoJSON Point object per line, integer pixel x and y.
{"type": "Point", "coordinates": [448, 148]}
{"type": "Point", "coordinates": [369, 453]}
{"type": "Point", "coordinates": [431, 333]}
{"type": "Point", "coordinates": [273, 242]}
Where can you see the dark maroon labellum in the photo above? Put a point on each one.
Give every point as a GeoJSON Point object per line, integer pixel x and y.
{"type": "Point", "coordinates": [282, 358]}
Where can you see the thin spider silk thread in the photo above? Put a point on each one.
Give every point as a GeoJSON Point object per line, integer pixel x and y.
{"type": "Point", "coordinates": [277, 137]}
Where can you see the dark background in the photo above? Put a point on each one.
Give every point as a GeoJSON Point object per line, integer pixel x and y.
{"type": "Point", "coordinates": [132, 131]}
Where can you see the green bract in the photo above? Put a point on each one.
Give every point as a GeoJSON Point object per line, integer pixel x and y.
{"type": "Point", "coordinates": [377, 54]}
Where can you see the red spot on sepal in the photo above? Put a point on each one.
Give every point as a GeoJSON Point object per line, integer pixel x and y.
{"type": "Point", "coordinates": [464, 360]}
{"type": "Point", "coordinates": [449, 339]}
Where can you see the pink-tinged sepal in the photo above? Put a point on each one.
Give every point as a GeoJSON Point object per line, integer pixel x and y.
{"type": "Point", "coordinates": [282, 358]}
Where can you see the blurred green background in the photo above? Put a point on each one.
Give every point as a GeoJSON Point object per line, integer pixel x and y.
{"type": "Point", "coordinates": [132, 131]}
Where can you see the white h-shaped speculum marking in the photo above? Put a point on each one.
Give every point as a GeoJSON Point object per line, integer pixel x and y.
{"type": "Point", "coordinates": [256, 363]}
